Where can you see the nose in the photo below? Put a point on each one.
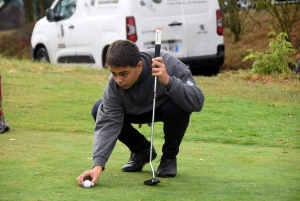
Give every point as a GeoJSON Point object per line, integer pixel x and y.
{"type": "Point", "coordinates": [118, 79]}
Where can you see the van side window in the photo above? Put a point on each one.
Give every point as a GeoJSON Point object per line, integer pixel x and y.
{"type": "Point", "coordinates": [64, 9]}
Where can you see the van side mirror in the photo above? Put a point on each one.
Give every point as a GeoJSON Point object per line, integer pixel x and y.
{"type": "Point", "coordinates": [50, 15]}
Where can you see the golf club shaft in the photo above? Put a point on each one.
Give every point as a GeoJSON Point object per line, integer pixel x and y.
{"type": "Point", "coordinates": [156, 54]}
{"type": "Point", "coordinates": [152, 127]}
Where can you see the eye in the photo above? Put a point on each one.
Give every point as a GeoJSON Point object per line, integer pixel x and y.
{"type": "Point", "coordinates": [124, 74]}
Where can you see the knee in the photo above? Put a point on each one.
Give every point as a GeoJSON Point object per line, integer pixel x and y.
{"type": "Point", "coordinates": [95, 109]}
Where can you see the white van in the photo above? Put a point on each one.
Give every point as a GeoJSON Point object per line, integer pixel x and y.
{"type": "Point", "coordinates": [80, 31]}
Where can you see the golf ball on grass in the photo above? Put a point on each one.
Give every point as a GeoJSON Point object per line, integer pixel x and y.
{"type": "Point", "coordinates": [87, 183]}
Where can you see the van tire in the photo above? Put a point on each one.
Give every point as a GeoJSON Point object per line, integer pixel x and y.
{"type": "Point", "coordinates": [104, 53]}
{"type": "Point", "coordinates": [42, 55]}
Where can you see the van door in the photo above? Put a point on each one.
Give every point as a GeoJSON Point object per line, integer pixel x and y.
{"type": "Point", "coordinates": [165, 14]}
{"type": "Point", "coordinates": [61, 34]}
{"type": "Point", "coordinates": [101, 22]}
{"type": "Point", "coordinates": [201, 26]}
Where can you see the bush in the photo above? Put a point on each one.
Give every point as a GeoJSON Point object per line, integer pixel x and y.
{"type": "Point", "coordinates": [276, 58]}
{"type": "Point", "coordinates": [16, 43]}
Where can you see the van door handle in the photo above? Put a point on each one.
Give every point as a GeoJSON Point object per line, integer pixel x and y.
{"type": "Point", "coordinates": [71, 27]}
{"type": "Point", "coordinates": [175, 24]}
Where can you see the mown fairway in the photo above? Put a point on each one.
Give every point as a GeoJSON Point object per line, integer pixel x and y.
{"type": "Point", "coordinates": [244, 145]}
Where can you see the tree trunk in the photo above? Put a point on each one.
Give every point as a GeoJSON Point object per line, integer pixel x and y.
{"type": "Point", "coordinates": [234, 20]}
{"type": "Point", "coordinates": [28, 8]}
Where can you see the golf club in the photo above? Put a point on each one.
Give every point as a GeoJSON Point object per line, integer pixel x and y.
{"type": "Point", "coordinates": [154, 181]}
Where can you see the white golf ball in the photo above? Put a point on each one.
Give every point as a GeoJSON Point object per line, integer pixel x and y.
{"type": "Point", "coordinates": [87, 183]}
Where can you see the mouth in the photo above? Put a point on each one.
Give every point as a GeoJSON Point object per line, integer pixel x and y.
{"type": "Point", "coordinates": [123, 86]}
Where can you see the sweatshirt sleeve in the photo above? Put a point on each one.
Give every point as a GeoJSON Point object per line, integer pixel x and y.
{"type": "Point", "coordinates": [182, 88]}
{"type": "Point", "coordinates": [109, 123]}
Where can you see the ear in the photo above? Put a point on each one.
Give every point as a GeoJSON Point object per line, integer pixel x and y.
{"type": "Point", "coordinates": [140, 66]}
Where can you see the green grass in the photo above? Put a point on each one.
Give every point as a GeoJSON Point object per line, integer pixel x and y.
{"type": "Point", "coordinates": [244, 145]}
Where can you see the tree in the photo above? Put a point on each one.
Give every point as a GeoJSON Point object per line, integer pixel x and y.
{"type": "Point", "coordinates": [284, 12]}
{"type": "Point", "coordinates": [28, 11]}
{"type": "Point", "coordinates": [233, 16]}
{"type": "Point", "coordinates": [39, 8]}
{"type": "Point", "coordinates": [35, 9]}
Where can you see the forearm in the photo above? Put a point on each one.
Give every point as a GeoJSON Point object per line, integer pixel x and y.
{"type": "Point", "coordinates": [107, 129]}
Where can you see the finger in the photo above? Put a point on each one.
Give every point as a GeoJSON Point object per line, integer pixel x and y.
{"type": "Point", "coordinates": [94, 181]}
{"type": "Point", "coordinates": [159, 59]}
{"type": "Point", "coordinates": [88, 177]}
{"type": "Point", "coordinates": [155, 70]}
{"type": "Point", "coordinates": [95, 178]}
{"type": "Point", "coordinates": [156, 73]}
{"type": "Point", "coordinates": [156, 64]}
{"type": "Point", "coordinates": [80, 180]}
{"type": "Point", "coordinates": [85, 175]}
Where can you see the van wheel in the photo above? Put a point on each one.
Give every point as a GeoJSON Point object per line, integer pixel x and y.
{"type": "Point", "coordinates": [104, 52]}
{"type": "Point", "coordinates": [42, 55]}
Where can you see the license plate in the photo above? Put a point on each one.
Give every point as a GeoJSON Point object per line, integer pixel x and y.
{"type": "Point", "coordinates": [170, 47]}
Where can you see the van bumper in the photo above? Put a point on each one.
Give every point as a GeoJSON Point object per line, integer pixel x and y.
{"type": "Point", "coordinates": [207, 61]}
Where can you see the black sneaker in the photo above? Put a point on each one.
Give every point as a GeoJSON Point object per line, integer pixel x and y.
{"type": "Point", "coordinates": [137, 160]}
{"type": "Point", "coordinates": [167, 167]}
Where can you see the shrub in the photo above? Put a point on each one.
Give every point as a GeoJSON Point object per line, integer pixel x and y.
{"type": "Point", "coordinates": [275, 59]}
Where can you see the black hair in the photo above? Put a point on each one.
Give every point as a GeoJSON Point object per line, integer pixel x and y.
{"type": "Point", "coordinates": [123, 53]}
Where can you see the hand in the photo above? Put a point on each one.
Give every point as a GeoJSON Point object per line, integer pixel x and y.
{"type": "Point", "coordinates": [92, 175]}
{"type": "Point", "coordinates": [159, 70]}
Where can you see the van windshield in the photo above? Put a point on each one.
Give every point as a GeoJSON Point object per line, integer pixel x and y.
{"type": "Point", "coordinates": [65, 9]}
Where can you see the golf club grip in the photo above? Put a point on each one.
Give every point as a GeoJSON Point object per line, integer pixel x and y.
{"type": "Point", "coordinates": [157, 42]}
{"type": "Point", "coordinates": [157, 50]}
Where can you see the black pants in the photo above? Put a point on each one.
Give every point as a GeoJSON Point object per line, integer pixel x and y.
{"type": "Point", "coordinates": [175, 122]}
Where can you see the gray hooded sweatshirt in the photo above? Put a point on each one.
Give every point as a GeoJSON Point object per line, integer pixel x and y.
{"type": "Point", "coordinates": [138, 99]}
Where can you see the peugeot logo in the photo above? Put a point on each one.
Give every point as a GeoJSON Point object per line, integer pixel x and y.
{"type": "Point", "coordinates": [202, 27]}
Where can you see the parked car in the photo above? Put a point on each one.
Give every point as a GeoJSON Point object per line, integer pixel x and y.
{"type": "Point", "coordinates": [242, 4]}
{"type": "Point", "coordinates": [284, 1]}
{"type": "Point", "coordinates": [80, 31]}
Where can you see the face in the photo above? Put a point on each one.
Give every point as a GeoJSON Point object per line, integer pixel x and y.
{"type": "Point", "coordinates": [126, 77]}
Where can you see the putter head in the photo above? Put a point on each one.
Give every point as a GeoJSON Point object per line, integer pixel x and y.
{"type": "Point", "coordinates": [151, 182]}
